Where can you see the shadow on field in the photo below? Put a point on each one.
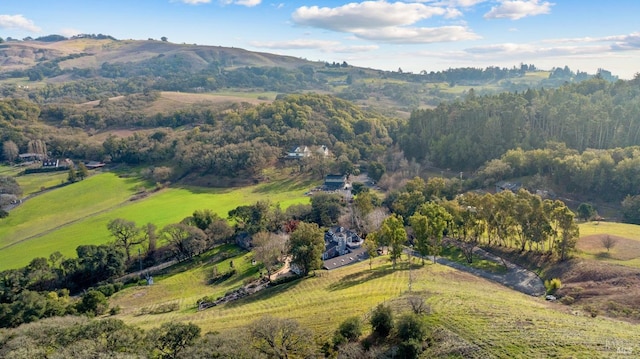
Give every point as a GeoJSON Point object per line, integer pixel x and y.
{"type": "Point", "coordinates": [265, 294]}
{"type": "Point", "coordinates": [284, 186]}
{"type": "Point", "coordinates": [361, 277]}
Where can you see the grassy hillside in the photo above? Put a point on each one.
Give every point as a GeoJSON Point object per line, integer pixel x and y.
{"type": "Point", "coordinates": [78, 214]}
{"type": "Point", "coordinates": [481, 317]}
{"type": "Point", "coordinates": [625, 249]}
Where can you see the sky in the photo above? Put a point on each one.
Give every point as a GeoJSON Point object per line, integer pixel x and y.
{"type": "Point", "coordinates": [412, 35]}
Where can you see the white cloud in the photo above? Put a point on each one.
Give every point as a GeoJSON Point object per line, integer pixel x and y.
{"type": "Point", "coordinates": [69, 32]}
{"type": "Point", "coordinates": [17, 22]}
{"type": "Point", "coordinates": [385, 22]}
{"type": "Point", "coordinates": [366, 15]}
{"type": "Point", "coordinates": [417, 35]}
{"type": "Point", "coordinates": [195, 2]}
{"type": "Point", "coordinates": [296, 44]}
{"type": "Point", "coordinates": [247, 3]}
{"type": "Point", "coordinates": [517, 9]}
{"type": "Point", "coordinates": [309, 44]}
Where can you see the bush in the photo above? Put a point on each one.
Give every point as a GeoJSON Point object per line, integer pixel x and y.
{"type": "Point", "coordinates": [350, 329]}
{"type": "Point", "coordinates": [411, 326]}
{"type": "Point", "coordinates": [552, 285]}
{"type": "Point", "coordinates": [567, 300]}
{"type": "Point", "coordinates": [3, 213]}
{"type": "Point", "coordinates": [115, 310]}
{"type": "Point", "coordinates": [382, 320]}
{"type": "Point", "coordinates": [410, 349]}
{"type": "Point", "coordinates": [93, 303]}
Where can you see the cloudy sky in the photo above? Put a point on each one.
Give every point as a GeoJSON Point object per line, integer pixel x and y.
{"type": "Point", "coordinates": [414, 35]}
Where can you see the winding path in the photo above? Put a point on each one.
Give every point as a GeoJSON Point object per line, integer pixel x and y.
{"type": "Point", "coordinates": [516, 277]}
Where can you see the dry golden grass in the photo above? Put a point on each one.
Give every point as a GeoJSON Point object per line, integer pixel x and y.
{"type": "Point", "coordinates": [624, 249]}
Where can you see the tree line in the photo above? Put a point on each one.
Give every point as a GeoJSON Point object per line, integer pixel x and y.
{"type": "Point", "coordinates": [464, 134]}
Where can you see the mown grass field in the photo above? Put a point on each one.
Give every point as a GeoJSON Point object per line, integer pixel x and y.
{"type": "Point", "coordinates": [626, 248]}
{"type": "Point", "coordinates": [495, 320]}
{"type": "Point", "coordinates": [78, 214]}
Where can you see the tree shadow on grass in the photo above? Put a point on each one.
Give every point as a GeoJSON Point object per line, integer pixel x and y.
{"type": "Point", "coordinates": [603, 255]}
{"type": "Point", "coordinates": [362, 276]}
{"type": "Point", "coordinates": [264, 294]}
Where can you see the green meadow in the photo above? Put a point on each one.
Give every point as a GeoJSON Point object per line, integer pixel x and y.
{"type": "Point", "coordinates": [62, 219]}
{"type": "Point", "coordinates": [496, 321]}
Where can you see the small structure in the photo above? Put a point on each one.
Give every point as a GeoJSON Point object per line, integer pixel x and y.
{"type": "Point", "coordinates": [93, 165]}
{"type": "Point", "coordinates": [334, 182]}
{"type": "Point", "coordinates": [508, 186]}
{"type": "Point", "coordinates": [30, 157]}
{"type": "Point", "coordinates": [53, 163]}
{"type": "Point", "coordinates": [323, 151]}
{"type": "Point", "coordinates": [339, 241]}
{"type": "Point", "coordinates": [298, 152]}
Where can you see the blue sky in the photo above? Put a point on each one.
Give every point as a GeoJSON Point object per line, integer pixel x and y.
{"type": "Point", "coordinates": [414, 35]}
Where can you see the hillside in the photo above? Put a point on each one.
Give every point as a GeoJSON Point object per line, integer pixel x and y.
{"type": "Point", "coordinates": [99, 67]}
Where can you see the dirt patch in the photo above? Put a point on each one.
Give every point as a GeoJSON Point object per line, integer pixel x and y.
{"type": "Point", "coordinates": [610, 289]}
{"type": "Point", "coordinates": [624, 248]}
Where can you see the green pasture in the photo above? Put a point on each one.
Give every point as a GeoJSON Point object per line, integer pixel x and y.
{"type": "Point", "coordinates": [78, 214]}
{"type": "Point", "coordinates": [626, 230]}
{"type": "Point", "coordinates": [36, 182]}
{"type": "Point", "coordinates": [46, 212]}
{"type": "Point", "coordinates": [625, 251]}
{"type": "Point", "coordinates": [500, 322]}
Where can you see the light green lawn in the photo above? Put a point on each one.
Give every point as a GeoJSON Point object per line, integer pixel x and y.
{"type": "Point", "coordinates": [626, 253]}
{"type": "Point", "coordinates": [501, 322]}
{"type": "Point", "coordinates": [631, 231]}
{"type": "Point", "coordinates": [78, 214]}
{"type": "Point", "coordinates": [35, 182]}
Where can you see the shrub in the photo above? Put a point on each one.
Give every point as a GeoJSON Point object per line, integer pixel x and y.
{"type": "Point", "coordinates": [350, 329]}
{"type": "Point", "coordinates": [115, 310]}
{"type": "Point", "coordinates": [411, 326]}
{"type": "Point", "coordinates": [567, 300]}
{"type": "Point", "coordinates": [552, 285]}
{"type": "Point", "coordinates": [382, 320]}
{"type": "Point", "coordinates": [93, 303]}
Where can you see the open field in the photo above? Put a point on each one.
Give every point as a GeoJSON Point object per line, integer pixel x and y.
{"type": "Point", "coordinates": [78, 214]}
{"type": "Point", "coordinates": [487, 319]}
{"type": "Point", "coordinates": [626, 248]}
{"type": "Point", "coordinates": [35, 182]}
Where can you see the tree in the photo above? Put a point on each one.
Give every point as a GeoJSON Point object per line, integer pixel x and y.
{"type": "Point", "coordinates": [10, 151]}
{"type": "Point", "coordinates": [438, 217]}
{"type": "Point", "coordinates": [348, 331]}
{"type": "Point", "coordinates": [281, 338]}
{"type": "Point", "coordinates": [325, 209]}
{"type": "Point", "coordinates": [83, 172]}
{"type": "Point", "coordinates": [72, 175]}
{"type": "Point", "coordinates": [382, 320]}
{"type": "Point", "coordinates": [608, 242]}
{"type": "Point", "coordinates": [631, 209]}
{"type": "Point", "coordinates": [393, 233]}
{"type": "Point", "coordinates": [371, 246]}
{"type": "Point", "coordinates": [306, 245]}
{"type": "Point", "coordinates": [126, 234]}
{"type": "Point", "coordinates": [420, 225]}
{"type": "Point", "coordinates": [569, 233]}
{"type": "Point", "coordinates": [172, 338]}
{"type": "Point", "coordinates": [93, 303]}
{"type": "Point", "coordinates": [185, 240]}
{"type": "Point", "coordinates": [586, 211]}
{"type": "Point", "coordinates": [164, 39]}
{"type": "Point", "coordinates": [411, 326]}
{"type": "Point", "coordinates": [269, 249]}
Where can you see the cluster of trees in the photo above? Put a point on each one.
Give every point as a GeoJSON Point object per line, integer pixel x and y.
{"type": "Point", "coordinates": [611, 173]}
{"type": "Point", "coordinates": [465, 134]}
{"type": "Point", "coordinates": [518, 220]}
{"type": "Point", "coordinates": [401, 334]}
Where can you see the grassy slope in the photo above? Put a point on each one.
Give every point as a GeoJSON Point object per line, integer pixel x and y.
{"type": "Point", "coordinates": [501, 322]}
{"type": "Point", "coordinates": [626, 251]}
{"type": "Point", "coordinates": [78, 214]}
